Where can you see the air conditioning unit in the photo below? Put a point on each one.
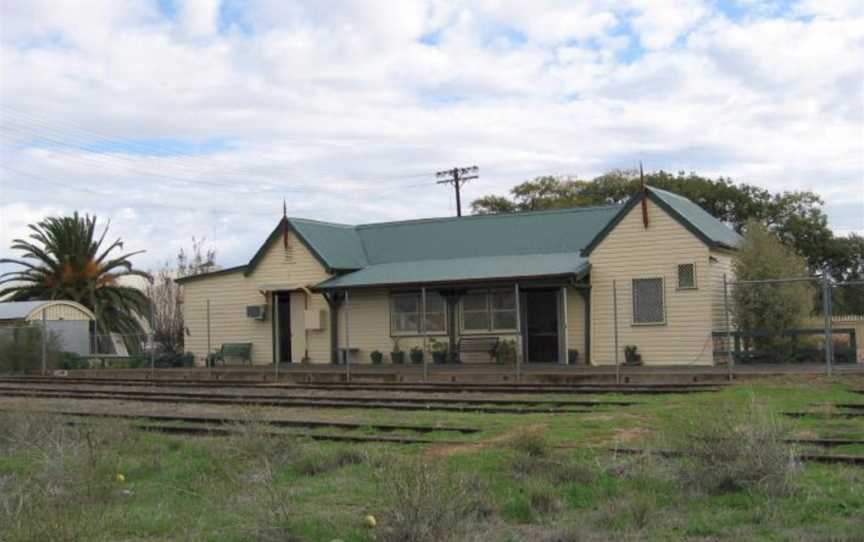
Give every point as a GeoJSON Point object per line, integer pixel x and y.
{"type": "Point", "coordinates": [256, 312]}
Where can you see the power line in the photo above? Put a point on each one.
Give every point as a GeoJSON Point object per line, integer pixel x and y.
{"type": "Point", "coordinates": [457, 177]}
{"type": "Point", "coordinates": [46, 131]}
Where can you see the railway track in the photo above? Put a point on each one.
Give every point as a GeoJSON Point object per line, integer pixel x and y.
{"type": "Point", "coordinates": [436, 387]}
{"type": "Point", "coordinates": [305, 424]}
{"type": "Point", "coordinates": [349, 399]}
{"type": "Point", "coordinates": [845, 459]}
{"type": "Point", "coordinates": [210, 431]}
{"type": "Point", "coordinates": [187, 398]}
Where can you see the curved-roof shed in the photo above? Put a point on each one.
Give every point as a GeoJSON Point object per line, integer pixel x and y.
{"type": "Point", "coordinates": [54, 309]}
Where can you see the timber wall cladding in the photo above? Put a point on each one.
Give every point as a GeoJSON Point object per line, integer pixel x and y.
{"type": "Point", "coordinates": [229, 294]}
{"type": "Point", "coordinates": [631, 251]}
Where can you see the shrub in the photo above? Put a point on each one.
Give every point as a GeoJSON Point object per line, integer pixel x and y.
{"type": "Point", "coordinates": [70, 361]}
{"type": "Point", "coordinates": [377, 357]}
{"type": "Point", "coordinates": [320, 461]}
{"type": "Point", "coordinates": [531, 444]}
{"type": "Point", "coordinates": [726, 450]}
{"type": "Point", "coordinates": [425, 502]}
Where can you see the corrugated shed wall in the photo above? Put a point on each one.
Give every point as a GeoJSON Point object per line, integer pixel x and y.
{"type": "Point", "coordinates": [60, 311]}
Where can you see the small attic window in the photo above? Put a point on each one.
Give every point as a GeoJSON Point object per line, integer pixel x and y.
{"type": "Point", "coordinates": [687, 276]}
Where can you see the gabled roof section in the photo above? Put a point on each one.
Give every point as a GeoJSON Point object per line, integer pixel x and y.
{"type": "Point", "coordinates": [336, 246]}
{"type": "Point", "coordinates": [697, 220]}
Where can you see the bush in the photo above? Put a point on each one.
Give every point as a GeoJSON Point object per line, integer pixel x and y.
{"type": "Point", "coordinates": [425, 502]}
{"type": "Point", "coordinates": [727, 450]}
{"type": "Point", "coordinates": [531, 444]}
{"type": "Point", "coordinates": [70, 360]}
{"type": "Point", "coordinates": [21, 349]}
{"type": "Point", "coordinates": [377, 357]}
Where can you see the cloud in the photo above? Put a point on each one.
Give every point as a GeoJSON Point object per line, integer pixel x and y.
{"type": "Point", "coordinates": [201, 119]}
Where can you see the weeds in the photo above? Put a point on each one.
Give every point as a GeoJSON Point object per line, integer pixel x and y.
{"type": "Point", "coordinates": [426, 502]}
{"type": "Point", "coordinates": [727, 450]}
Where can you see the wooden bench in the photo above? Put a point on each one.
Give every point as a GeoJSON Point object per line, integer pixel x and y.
{"type": "Point", "coordinates": [242, 351]}
{"type": "Point", "coordinates": [469, 345]}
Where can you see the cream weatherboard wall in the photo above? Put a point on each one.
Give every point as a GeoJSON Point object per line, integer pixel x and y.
{"type": "Point", "coordinates": [631, 251]}
{"type": "Point", "coordinates": [230, 293]}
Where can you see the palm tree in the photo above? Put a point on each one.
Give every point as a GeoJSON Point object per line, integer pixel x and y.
{"type": "Point", "coordinates": [64, 260]}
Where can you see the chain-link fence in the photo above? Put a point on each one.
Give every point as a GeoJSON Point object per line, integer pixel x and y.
{"type": "Point", "coordinates": [26, 348]}
{"type": "Point", "coordinates": [792, 320]}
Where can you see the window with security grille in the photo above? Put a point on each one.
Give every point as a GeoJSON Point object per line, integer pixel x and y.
{"type": "Point", "coordinates": [686, 276]}
{"type": "Point", "coordinates": [648, 301]}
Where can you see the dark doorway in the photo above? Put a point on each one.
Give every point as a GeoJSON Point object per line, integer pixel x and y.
{"type": "Point", "coordinates": [541, 325]}
{"type": "Point", "coordinates": [283, 326]}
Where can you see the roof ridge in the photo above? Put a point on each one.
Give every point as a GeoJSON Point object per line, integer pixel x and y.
{"type": "Point", "coordinates": [488, 216]}
{"type": "Point", "coordinates": [321, 222]}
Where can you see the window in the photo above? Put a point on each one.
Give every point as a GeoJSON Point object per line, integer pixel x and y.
{"type": "Point", "coordinates": [475, 312]}
{"type": "Point", "coordinates": [648, 301]}
{"type": "Point", "coordinates": [493, 310]}
{"type": "Point", "coordinates": [503, 306]}
{"type": "Point", "coordinates": [405, 313]}
{"type": "Point", "coordinates": [436, 313]}
{"type": "Point", "coordinates": [687, 276]}
{"type": "Point", "coordinates": [405, 310]}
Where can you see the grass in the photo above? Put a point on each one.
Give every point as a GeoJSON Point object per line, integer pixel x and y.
{"type": "Point", "coordinates": [543, 477]}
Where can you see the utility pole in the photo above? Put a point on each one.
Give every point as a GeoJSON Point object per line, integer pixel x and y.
{"type": "Point", "coordinates": [457, 177]}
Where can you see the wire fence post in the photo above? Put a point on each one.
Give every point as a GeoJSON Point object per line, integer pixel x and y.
{"type": "Point", "coordinates": [730, 358]}
{"type": "Point", "coordinates": [423, 331]}
{"type": "Point", "coordinates": [208, 360]}
{"type": "Point", "coordinates": [152, 342]}
{"type": "Point", "coordinates": [347, 338]}
{"type": "Point", "coordinates": [615, 327]}
{"type": "Point", "coordinates": [274, 299]}
{"type": "Point", "coordinates": [519, 336]}
{"type": "Point", "coordinates": [44, 343]}
{"type": "Point", "coordinates": [826, 309]}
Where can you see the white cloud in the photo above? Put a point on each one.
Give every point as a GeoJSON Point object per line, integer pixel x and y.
{"type": "Point", "coordinates": [335, 105]}
{"type": "Point", "coordinates": [199, 18]}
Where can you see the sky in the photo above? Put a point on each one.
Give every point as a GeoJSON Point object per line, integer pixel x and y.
{"type": "Point", "coordinates": [182, 118]}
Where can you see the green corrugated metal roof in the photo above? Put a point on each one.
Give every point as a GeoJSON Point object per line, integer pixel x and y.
{"type": "Point", "coordinates": [543, 232]}
{"type": "Point", "coordinates": [460, 269]}
{"type": "Point", "coordinates": [478, 247]}
{"type": "Point", "coordinates": [338, 244]}
{"type": "Point", "coordinates": [714, 230]}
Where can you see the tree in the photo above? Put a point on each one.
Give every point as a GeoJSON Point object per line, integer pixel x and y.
{"type": "Point", "coordinates": [770, 308]}
{"type": "Point", "coordinates": [846, 255]}
{"type": "Point", "coordinates": [167, 296]}
{"type": "Point", "coordinates": [796, 217]}
{"type": "Point", "coordinates": [64, 260]}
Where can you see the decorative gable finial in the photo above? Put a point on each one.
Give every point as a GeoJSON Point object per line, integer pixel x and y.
{"type": "Point", "coordinates": [644, 196]}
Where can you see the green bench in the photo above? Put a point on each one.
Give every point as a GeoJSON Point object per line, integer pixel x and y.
{"type": "Point", "coordinates": [242, 351]}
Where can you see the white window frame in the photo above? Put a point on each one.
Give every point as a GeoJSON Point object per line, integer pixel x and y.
{"type": "Point", "coordinates": [678, 277]}
{"type": "Point", "coordinates": [421, 316]}
{"type": "Point", "coordinates": [489, 314]}
{"type": "Point", "coordinates": [662, 299]}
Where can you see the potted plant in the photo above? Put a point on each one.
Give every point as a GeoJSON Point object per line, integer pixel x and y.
{"type": "Point", "coordinates": [397, 355]}
{"type": "Point", "coordinates": [377, 357]}
{"type": "Point", "coordinates": [573, 356]}
{"type": "Point", "coordinates": [506, 351]}
{"type": "Point", "coordinates": [439, 351]}
{"type": "Point", "coordinates": [632, 355]}
{"type": "Point", "coordinates": [416, 354]}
